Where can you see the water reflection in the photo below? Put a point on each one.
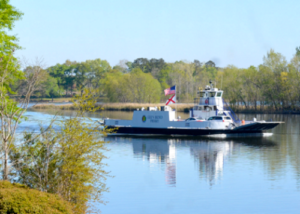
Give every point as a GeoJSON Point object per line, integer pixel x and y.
{"type": "Point", "coordinates": [161, 153]}
{"type": "Point", "coordinates": [210, 158]}
{"type": "Point", "coordinates": [209, 155]}
{"type": "Point", "coordinates": [185, 175]}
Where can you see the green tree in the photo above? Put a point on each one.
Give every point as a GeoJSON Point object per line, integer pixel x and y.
{"type": "Point", "coordinates": [47, 88]}
{"type": "Point", "coordinates": [10, 111]}
{"type": "Point", "coordinates": [9, 15]}
{"type": "Point", "coordinates": [64, 74]}
{"type": "Point", "coordinates": [135, 86]}
{"type": "Point", "coordinates": [90, 73]}
{"type": "Point", "coordinates": [275, 61]}
{"type": "Point", "coordinates": [148, 66]}
{"type": "Point", "coordinates": [298, 51]}
{"type": "Point", "coordinates": [68, 162]}
{"type": "Point", "coordinates": [9, 68]}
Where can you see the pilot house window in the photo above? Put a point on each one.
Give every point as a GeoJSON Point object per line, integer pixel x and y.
{"type": "Point", "coordinates": [197, 108]}
{"type": "Point", "coordinates": [202, 94]}
{"type": "Point", "coordinates": [212, 94]}
{"type": "Point", "coordinates": [219, 94]}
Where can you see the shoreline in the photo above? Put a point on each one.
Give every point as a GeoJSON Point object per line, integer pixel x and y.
{"type": "Point", "coordinates": [182, 107]}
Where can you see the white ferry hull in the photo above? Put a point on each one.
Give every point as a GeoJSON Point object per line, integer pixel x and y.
{"type": "Point", "coordinates": [249, 129]}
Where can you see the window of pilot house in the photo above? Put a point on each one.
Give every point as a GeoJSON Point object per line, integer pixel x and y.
{"type": "Point", "coordinates": [219, 94]}
{"type": "Point", "coordinates": [202, 94]}
{"type": "Point", "coordinates": [212, 94]}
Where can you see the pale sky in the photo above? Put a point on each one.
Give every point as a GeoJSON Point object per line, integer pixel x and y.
{"type": "Point", "coordinates": [226, 31]}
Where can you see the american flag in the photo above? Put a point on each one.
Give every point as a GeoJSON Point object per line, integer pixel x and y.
{"type": "Point", "coordinates": [171, 90]}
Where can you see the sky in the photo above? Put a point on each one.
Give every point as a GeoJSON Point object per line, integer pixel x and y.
{"type": "Point", "coordinates": [231, 32]}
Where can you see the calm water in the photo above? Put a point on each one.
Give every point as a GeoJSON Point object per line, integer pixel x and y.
{"type": "Point", "coordinates": [201, 175]}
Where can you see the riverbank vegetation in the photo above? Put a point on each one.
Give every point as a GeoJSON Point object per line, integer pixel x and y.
{"type": "Point", "coordinates": [68, 162]}
{"type": "Point", "coordinates": [18, 198]}
{"type": "Point", "coordinates": [64, 161]}
{"type": "Point", "coordinates": [182, 107]}
{"type": "Point", "coordinates": [272, 85]}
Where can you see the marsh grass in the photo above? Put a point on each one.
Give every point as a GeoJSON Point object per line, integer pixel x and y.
{"type": "Point", "coordinates": [265, 110]}
{"type": "Point", "coordinates": [182, 107]}
{"type": "Point", "coordinates": [116, 106]}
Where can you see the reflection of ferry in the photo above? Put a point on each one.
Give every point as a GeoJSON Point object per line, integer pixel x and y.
{"type": "Point", "coordinates": [210, 157]}
{"type": "Point", "coordinates": [208, 117]}
{"type": "Point", "coordinates": [162, 152]}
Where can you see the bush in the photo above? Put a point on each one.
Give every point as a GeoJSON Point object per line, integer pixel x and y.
{"type": "Point", "coordinates": [16, 198]}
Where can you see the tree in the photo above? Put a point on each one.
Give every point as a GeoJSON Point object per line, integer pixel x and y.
{"type": "Point", "coordinates": [135, 86]}
{"type": "Point", "coordinates": [298, 51]}
{"type": "Point", "coordinates": [142, 63]}
{"type": "Point", "coordinates": [64, 75]}
{"type": "Point", "coordinates": [9, 15]}
{"type": "Point", "coordinates": [11, 111]}
{"type": "Point", "coordinates": [275, 61]}
{"type": "Point", "coordinates": [45, 85]}
{"type": "Point", "coordinates": [51, 88]}
{"type": "Point", "coordinates": [182, 75]}
{"type": "Point", "coordinates": [8, 44]}
{"type": "Point", "coordinates": [89, 73]}
{"type": "Point", "coordinates": [147, 66]}
{"type": "Point", "coordinates": [68, 162]}
{"type": "Point", "coordinates": [122, 66]}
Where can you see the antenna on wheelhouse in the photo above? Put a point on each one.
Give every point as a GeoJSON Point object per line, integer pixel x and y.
{"type": "Point", "coordinates": [211, 84]}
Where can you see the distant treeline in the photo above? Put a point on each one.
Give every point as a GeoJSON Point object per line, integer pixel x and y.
{"type": "Point", "coordinates": [273, 84]}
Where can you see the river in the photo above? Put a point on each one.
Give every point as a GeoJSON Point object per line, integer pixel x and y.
{"type": "Point", "coordinates": [200, 175]}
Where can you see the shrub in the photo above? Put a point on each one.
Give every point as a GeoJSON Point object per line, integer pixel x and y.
{"type": "Point", "coordinates": [17, 198]}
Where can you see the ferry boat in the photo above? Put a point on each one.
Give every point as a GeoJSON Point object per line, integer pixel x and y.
{"type": "Point", "coordinates": [210, 116]}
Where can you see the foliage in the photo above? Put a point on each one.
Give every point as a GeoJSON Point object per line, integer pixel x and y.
{"type": "Point", "coordinates": [148, 66]}
{"type": "Point", "coordinates": [68, 162]}
{"type": "Point", "coordinates": [46, 86]}
{"type": "Point", "coordinates": [8, 15]}
{"type": "Point", "coordinates": [11, 114]}
{"type": "Point", "coordinates": [51, 87]}
{"type": "Point", "coordinates": [267, 85]}
{"type": "Point", "coordinates": [273, 84]}
{"type": "Point", "coordinates": [298, 51]}
{"type": "Point", "coordinates": [8, 44]}
{"type": "Point", "coordinates": [132, 87]}
{"type": "Point", "coordinates": [10, 111]}
{"type": "Point", "coordinates": [64, 74]}
{"type": "Point", "coordinates": [17, 198]}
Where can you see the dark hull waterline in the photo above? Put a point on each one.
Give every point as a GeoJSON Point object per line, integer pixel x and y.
{"type": "Point", "coordinates": [254, 128]}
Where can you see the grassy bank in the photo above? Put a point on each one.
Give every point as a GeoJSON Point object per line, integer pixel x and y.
{"type": "Point", "coordinates": [115, 106]}
{"type": "Point", "coordinates": [182, 107]}
{"type": "Point", "coordinates": [265, 110]}
{"type": "Point", "coordinates": [60, 100]}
